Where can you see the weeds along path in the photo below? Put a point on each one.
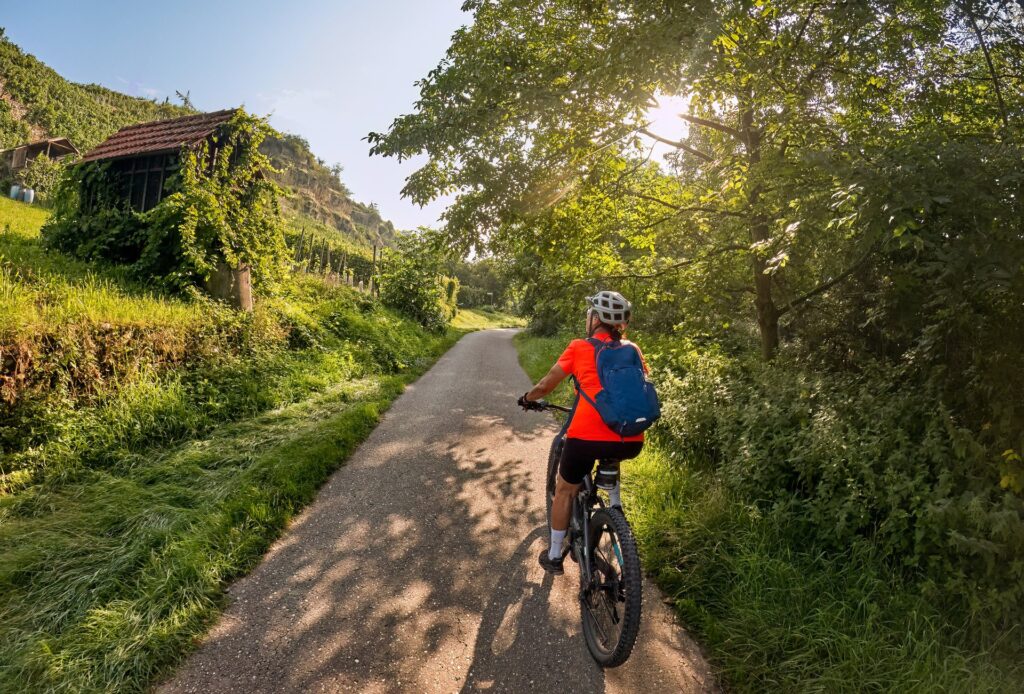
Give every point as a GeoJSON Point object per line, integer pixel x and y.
{"type": "Point", "coordinates": [415, 568]}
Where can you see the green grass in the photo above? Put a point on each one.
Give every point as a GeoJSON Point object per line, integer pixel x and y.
{"type": "Point", "coordinates": [109, 578]}
{"type": "Point", "coordinates": [775, 614]}
{"type": "Point", "coordinates": [153, 446]}
{"type": "Point", "coordinates": [482, 319]}
{"type": "Point", "coordinates": [41, 290]}
{"type": "Point", "coordinates": [21, 218]}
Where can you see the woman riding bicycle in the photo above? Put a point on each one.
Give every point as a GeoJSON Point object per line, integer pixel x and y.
{"type": "Point", "coordinates": [587, 437]}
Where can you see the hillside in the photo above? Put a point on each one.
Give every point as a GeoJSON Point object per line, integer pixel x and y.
{"type": "Point", "coordinates": [312, 190]}
{"type": "Point", "coordinates": [37, 102]}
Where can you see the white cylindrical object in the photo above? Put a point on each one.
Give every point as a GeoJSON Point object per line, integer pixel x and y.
{"type": "Point", "coordinates": [29, 195]}
{"type": "Point", "coordinates": [15, 192]}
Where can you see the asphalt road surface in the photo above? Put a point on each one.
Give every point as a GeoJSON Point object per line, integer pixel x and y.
{"type": "Point", "coordinates": [415, 569]}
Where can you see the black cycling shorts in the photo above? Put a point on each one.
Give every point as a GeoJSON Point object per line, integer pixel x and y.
{"type": "Point", "coordinates": [579, 456]}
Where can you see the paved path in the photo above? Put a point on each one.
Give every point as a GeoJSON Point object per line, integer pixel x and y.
{"type": "Point", "coordinates": [416, 567]}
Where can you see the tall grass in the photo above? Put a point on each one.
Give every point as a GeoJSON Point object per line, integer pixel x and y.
{"type": "Point", "coordinates": [776, 613]}
{"type": "Point", "coordinates": [108, 578]}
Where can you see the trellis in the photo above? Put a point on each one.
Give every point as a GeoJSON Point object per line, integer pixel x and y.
{"type": "Point", "coordinates": [314, 254]}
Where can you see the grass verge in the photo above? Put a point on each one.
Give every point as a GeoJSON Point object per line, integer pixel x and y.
{"type": "Point", "coordinates": [773, 613]}
{"type": "Point", "coordinates": [482, 319]}
{"type": "Point", "coordinates": [110, 577]}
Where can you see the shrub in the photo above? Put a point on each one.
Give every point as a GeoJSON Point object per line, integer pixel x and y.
{"type": "Point", "coordinates": [413, 284]}
{"type": "Point", "coordinates": [41, 174]}
{"type": "Point", "coordinates": [873, 454]}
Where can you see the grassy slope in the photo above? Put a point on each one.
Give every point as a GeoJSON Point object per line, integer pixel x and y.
{"type": "Point", "coordinates": [777, 617]}
{"type": "Point", "coordinates": [141, 500]}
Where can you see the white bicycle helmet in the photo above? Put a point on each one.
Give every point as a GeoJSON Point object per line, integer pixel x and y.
{"type": "Point", "coordinates": [610, 307]}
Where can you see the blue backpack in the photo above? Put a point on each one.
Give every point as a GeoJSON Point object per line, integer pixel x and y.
{"type": "Point", "coordinates": [627, 402]}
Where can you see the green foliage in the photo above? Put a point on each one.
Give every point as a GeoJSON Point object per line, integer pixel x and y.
{"type": "Point", "coordinates": [311, 243]}
{"type": "Point", "coordinates": [413, 284]}
{"type": "Point", "coordinates": [41, 174]}
{"type": "Point", "coordinates": [483, 319]}
{"type": "Point", "coordinates": [152, 447]}
{"type": "Point", "coordinates": [223, 209]}
{"type": "Point", "coordinates": [40, 103]}
{"type": "Point", "coordinates": [842, 458]}
{"type": "Point", "coordinates": [482, 282]}
{"type": "Point", "coordinates": [792, 616]}
{"type": "Point", "coordinates": [827, 268]}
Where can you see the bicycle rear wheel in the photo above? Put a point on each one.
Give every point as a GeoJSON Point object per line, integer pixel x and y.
{"type": "Point", "coordinates": [610, 605]}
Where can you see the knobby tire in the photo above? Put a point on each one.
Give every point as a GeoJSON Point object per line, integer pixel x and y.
{"type": "Point", "coordinates": [629, 586]}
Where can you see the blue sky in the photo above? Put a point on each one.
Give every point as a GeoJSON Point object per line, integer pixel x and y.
{"type": "Point", "coordinates": [328, 71]}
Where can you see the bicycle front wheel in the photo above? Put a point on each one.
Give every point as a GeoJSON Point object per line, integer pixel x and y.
{"type": "Point", "coordinates": [610, 605]}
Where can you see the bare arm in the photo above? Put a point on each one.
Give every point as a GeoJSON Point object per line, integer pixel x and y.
{"type": "Point", "coordinates": [547, 384]}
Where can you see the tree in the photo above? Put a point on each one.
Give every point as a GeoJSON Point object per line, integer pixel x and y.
{"type": "Point", "coordinates": [41, 174]}
{"type": "Point", "coordinates": [412, 282]}
{"type": "Point", "coordinates": [790, 104]}
{"type": "Point", "coordinates": [186, 99]}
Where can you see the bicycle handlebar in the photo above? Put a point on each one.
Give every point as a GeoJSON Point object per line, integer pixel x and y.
{"type": "Point", "coordinates": [541, 405]}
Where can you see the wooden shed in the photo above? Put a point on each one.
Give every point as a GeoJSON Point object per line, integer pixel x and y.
{"type": "Point", "coordinates": [17, 158]}
{"type": "Point", "coordinates": [144, 157]}
{"type": "Point", "coordinates": [144, 160]}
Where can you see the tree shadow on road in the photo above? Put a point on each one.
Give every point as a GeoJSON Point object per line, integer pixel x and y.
{"type": "Point", "coordinates": [519, 645]}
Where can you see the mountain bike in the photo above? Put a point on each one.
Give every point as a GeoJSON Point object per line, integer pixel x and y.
{"type": "Point", "coordinates": [601, 542]}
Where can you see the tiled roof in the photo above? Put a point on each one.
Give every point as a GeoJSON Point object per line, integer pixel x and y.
{"type": "Point", "coordinates": [160, 136]}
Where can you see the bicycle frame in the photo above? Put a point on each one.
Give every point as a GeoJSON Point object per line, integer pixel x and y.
{"type": "Point", "coordinates": [582, 504]}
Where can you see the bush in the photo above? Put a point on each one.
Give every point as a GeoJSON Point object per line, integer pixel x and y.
{"type": "Point", "coordinates": [413, 284]}
{"type": "Point", "coordinates": [839, 457]}
{"type": "Point", "coordinates": [41, 174]}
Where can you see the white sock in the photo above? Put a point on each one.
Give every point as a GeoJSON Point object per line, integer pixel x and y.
{"type": "Point", "coordinates": [615, 495]}
{"type": "Point", "coordinates": [555, 550]}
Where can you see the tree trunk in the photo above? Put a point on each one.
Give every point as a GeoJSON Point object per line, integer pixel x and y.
{"type": "Point", "coordinates": [764, 304]}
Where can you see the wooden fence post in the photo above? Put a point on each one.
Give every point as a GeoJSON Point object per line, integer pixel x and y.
{"type": "Point", "coordinates": [373, 268]}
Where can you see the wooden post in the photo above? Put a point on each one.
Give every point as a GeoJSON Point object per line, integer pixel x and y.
{"type": "Point", "coordinates": [298, 248]}
{"type": "Point", "coordinates": [373, 269]}
{"type": "Point", "coordinates": [312, 254]}
{"type": "Point", "coordinates": [380, 269]}
{"type": "Point", "coordinates": [232, 285]}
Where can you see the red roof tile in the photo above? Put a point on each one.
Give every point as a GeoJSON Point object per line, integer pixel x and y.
{"type": "Point", "coordinates": [160, 136]}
